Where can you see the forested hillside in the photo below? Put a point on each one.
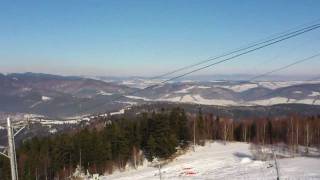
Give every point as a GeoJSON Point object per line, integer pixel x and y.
{"type": "Point", "coordinates": [113, 144]}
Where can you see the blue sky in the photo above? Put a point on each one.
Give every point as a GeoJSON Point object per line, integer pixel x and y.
{"type": "Point", "coordinates": [149, 37]}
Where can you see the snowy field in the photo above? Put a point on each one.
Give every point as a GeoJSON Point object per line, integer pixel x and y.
{"type": "Point", "coordinates": [230, 161]}
{"type": "Point", "coordinates": [198, 99]}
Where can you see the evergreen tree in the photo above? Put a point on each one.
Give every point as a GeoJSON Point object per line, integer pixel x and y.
{"type": "Point", "coordinates": [5, 173]}
{"type": "Point", "coordinates": [150, 148]}
{"type": "Point", "coordinates": [184, 132]}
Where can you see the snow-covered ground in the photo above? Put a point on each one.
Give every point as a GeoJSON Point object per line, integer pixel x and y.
{"type": "Point", "coordinates": [198, 99]}
{"type": "Point", "coordinates": [195, 92]}
{"type": "Point", "coordinates": [219, 161]}
{"type": "Point", "coordinates": [137, 97]}
{"type": "Point", "coordinates": [103, 93]}
{"type": "Point", "coordinates": [57, 122]}
{"type": "Point", "coordinates": [141, 83]}
{"type": "Point", "coordinates": [313, 94]}
{"type": "Point", "coordinates": [241, 87]}
{"type": "Point", "coordinates": [271, 101]}
{"type": "Point", "coordinates": [45, 98]}
{"type": "Point", "coordinates": [121, 111]}
{"type": "Point", "coordinates": [186, 90]}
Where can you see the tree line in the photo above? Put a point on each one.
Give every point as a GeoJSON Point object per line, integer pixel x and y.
{"type": "Point", "coordinates": [113, 144]}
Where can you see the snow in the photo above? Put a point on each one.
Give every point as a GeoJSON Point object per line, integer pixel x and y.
{"type": "Point", "coordinates": [221, 102]}
{"type": "Point", "coordinates": [309, 101]}
{"type": "Point", "coordinates": [50, 122]}
{"type": "Point", "coordinates": [186, 90]}
{"type": "Point", "coordinates": [141, 83]}
{"type": "Point", "coordinates": [53, 131]}
{"type": "Point", "coordinates": [188, 98]}
{"type": "Point", "coordinates": [185, 95]}
{"type": "Point", "coordinates": [300, 168]}
{"type": "Point", "coordinates": [270, 85]}
{"type": "Point", "coordinates": [241, 87]}
{"type": "Point", "coordinates": [103, 93]}
{"type": "Point", "coordinates": [45, 98]}
{"type": "Point", "coordinates": [127, 102]}
{"type": "Point", "coordinates": [283, 100]}
{"type": "Point", "coordinates": [313, 94]}
{"type": "Point", "coordinates": [197, 99]}
{"type": "Point", "coordinates": [271, 101]}
{"type": "Point", "coordinates": [218, 161]}
{"type": "Point", "coordinates": [1, 128]}
{"type": "Point", "coordinates": [35, 104]}
{"type": "Point", "coordinates": [280, 84]}
{"type": "Point", "coordinates": [137, 97]}
{"type": "Point", "coordinates": [128, 82]}
{"type": "Point", "coordinates": [245, 160]}
{"type": "Point", "coordinates": [174, 99]}
{"type": "Point", "coordinates": [26, 89]}
{"type": "Point", "coordinates": [187, 81]}
{"type": "Point", "coordinates": [203, 87]}
{"type": "Point", "coordinates": [103, 115]}
{"type": "Point", "coordinates": [238, 87]}
{"type": "Point", "coordinates": [166, 95]}
{"type": "Point", "coordinates": [121, 111]}
{"type": "Point", "coordinates": [86, 119]}
{"type": "Point", "coordinates": [297, 92]}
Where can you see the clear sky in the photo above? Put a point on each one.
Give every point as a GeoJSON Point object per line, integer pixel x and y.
{"type": "Point", "coordinates": [150, 37]}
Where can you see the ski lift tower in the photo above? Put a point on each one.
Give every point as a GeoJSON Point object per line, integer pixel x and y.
{"type": "Point", "coordinates": [12, 150]}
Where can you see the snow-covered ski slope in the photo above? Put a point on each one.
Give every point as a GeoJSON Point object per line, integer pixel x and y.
{"type": "Point", "coordinates": [230, 161]}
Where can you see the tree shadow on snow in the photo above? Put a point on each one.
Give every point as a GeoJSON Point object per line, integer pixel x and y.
{"type": "Point", "coordinates": [242, 155]}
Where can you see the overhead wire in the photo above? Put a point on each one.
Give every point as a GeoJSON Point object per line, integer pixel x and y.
{"type": "Point", "coordinates": [284, 67]}
{"type": "Point", "coordinates": [280, 69]}
{"type": "Point", "coordinates": [274, 41]}
{"type": "Point", "coordinates": [248, 46]}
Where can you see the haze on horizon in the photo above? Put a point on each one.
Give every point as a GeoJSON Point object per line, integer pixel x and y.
{"type": "Point", "coordinates": [146, 38]}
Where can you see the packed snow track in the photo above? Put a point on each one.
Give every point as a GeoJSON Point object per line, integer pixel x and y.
{"type": "Point", "coordinates": [219, 161]}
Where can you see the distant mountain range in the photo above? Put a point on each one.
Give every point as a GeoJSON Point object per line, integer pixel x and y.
{"type": "Point", "coordinates": [53, 95]}
{"type": "Point", "coordinates": [65, 96]}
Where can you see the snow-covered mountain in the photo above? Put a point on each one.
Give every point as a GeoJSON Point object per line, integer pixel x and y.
{"type": "Point", "coordinates": [61, 96]}
{"type": "Point", "coordinates": [233, 93]}
{"type": "Point", "coordinates": [57, 96]}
